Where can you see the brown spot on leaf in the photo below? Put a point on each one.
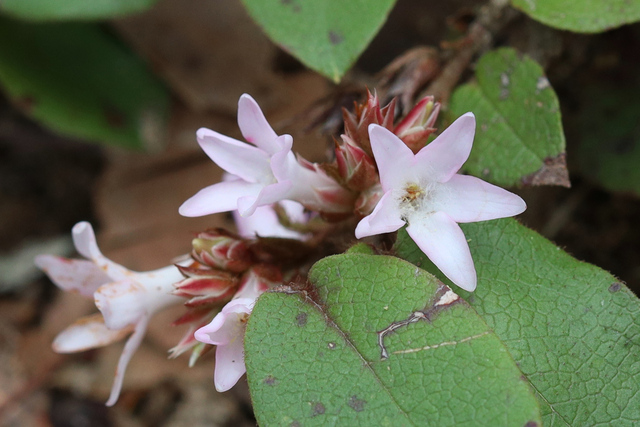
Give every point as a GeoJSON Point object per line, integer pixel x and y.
{"type": "Point", "coordinates": [356, 404]}
{"type": "Point", "coordinates": [553, 172]}
{"type": "Point", "coordinates": [531, 424]}
{"type": "Point", "coordinates": [270, 380]}
{"type": "Point", "coordinates": [335, 38]}
{"type": "Point", "coordinates": [615, 287]}
{"type": "Point", "coordinates": [301, 319]}
{"type": "Point", "coordinates": [318, 409]}
{"type": "Point", "coordinates": [295, 424]}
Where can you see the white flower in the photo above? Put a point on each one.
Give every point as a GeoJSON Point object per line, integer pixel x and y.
{"type": "Point", "coordinates": [425, 192]}
{"type": "Point", "coordinates": [263, 173]}
{"type": "Point", "coordinates": [126, 299]}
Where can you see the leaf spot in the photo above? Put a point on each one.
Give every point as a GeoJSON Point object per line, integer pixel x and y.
{"type": "Point", "coordinates": [331, 345]}
{"type": "Point", "coordinates": [443, 344]}
{"type": "Point", "coordinates": [542, 83]}
{"type": "Point", "coordinates": [615, 287]}
{"type": "Point", "coordinates": [318, 409]}
{"type": "Point", "coordinates": [301, 319]}
{"type": "Point", "coordinates": [335, 38]}
{"type": "Point", "coordinates": [356, 404]}
{"type": "Point", "coordinates": [531, 424]}
{"type": "Point", "coordinates": [448, 298]}
{"type": "Point", "coordinates": [270, 380]}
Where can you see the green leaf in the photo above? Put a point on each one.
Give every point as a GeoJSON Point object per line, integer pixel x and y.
{"type": "Point", "coordinates": [326, 35]}
{"type": "Point", "coordinates": [584, 16]}
{"type": "Point", "coordinates": [41, 10]}
{"type": "Point", "coordinates": [77, 80]}
{"type": "Point", "coordinates": [573, 329]}
{"type": "Point", "coordinates": [609, 143]}
{"type": "Point", "coordinates": [519, 137]}
{"type": "Point", "coordinates": [321, 363]}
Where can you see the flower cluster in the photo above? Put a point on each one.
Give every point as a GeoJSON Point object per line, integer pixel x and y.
{"type": "Point", "coordinates": [386, 174]}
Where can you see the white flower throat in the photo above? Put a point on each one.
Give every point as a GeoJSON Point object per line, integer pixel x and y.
{"type": "Point", "coordinates": [416, 198]}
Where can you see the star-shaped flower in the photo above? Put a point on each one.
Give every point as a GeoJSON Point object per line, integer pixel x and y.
{"type": "Point", "coordinates": [425, 192]}
{"type": "Point", "coordinates": [226, 332]}
{"type": "Point", "coordinates": [126, 299]}
{"type": "Point", "coordinates": [263, 173]}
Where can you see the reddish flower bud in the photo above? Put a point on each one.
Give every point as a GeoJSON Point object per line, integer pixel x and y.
{"type": "Point", "coordinates": [205, 286]}
{"type": "Point", "coordinates": [219, 248]}
{"type": "Point", "coordinates": [415, 128]}
{"type": "Point", "coordinates": [356, 124]}
{"type": "Point", "coordinates": [355, 166]}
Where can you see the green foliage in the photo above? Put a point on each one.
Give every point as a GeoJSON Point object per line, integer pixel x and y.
{"type": "Point", "coordinates": [572, 328]}
{"type": "Point", "coordinates": [77, 80]}
{"type": "Point", "coordinates": [609, 145]}
{"type": "Point", "coordinates": [321, 363]}
{"type": "Point", "coordinates": [326, 35]}
{"type": "Point", "coordinates": [583, 16]}
{"type": "Point", "coordinates": [51, 10]}
{"type": "Point", "coordinates": [519, 137]}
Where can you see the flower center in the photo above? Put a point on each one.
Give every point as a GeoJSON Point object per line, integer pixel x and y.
{"type": "Point", "coordinates": [415, 198]}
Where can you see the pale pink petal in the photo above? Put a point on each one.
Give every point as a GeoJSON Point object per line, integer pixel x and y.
{"type": "Point", "coordinates": [254, 126]}
{"type": "Point", "coordinates": [121, 303]}
{"type": "Point", "coordinates": [251, 288]}
{"type": "Point", "coordinates": [240, 159]}
{"type": "Point", "coordinates": [442, 240]}
{"type": "Point", "coordinates": [73, 275]}
{"type": "Point", "coordinates": [229, 363]}
{"type": "Point", "coordinates": [268, 195]}
{"type": "Point", "coordinates": [443, 157]}
{"type": "Point", "coordinates": [87, 333]}
{"type": "Point", "coordinates": [264, 222]}
{"type": "Point", "coordinates": [470, 199]}
{"type": "Point", "coordinates": [129, 348]}
{"type": "Point", "coordinates": [393, 157]}
{"type": "Point", "coordinates": [385, 218]}
{"type": "Point", "coordinates": [220, 197]}
{"type": "Point", "coordinates": [84, 240]}
{"type": "Point", "coordinates": [227, 324]}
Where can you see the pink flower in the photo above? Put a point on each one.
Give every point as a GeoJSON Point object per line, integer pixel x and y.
{"type": "Point", "coordinates": [226, 331]}
{"type": "Point", "coordinates": [265, 222]}
{"type": "Point", "coordinates": [263, 173]}
{"type": "Point", "coordinates": [424, 192]}
{"type": "Point", "coordinates": [126, 299]}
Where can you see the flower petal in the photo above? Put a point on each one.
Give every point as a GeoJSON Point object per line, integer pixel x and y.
{"type": "Point", "coordinates": [442, 240]}
{"type": "Point", "coordinates": [470, 199]}
{"type": "Point", "coordinates": [73, 275]}
{"type": "Point", "coordinates": [227, 324]}
{"type": "Point", "coordinates": [268, 195]}
{"type": "Point", "coordinates": [385, 218]}
{"type": "Point", "coordinates": [392, 156]}
{"type": "Point", "coordinates": [220, 197]}
{"type": "Point", "coordinates": [237, 158]}
{"type": "Point", "coordinates": [264, 222]}
{"type": "Point", "coordinates": [229, 363]}
{"type": "Point", "coordinates": [84, 240]}
{"type": "Point", "coordinates": [448, 152]}
{"type": "Point", "coordinates": [129, 348]}
{"type": "Point", "coordinates": [87, 333]}
{"type": "Point", "coordinates": [254, 126]}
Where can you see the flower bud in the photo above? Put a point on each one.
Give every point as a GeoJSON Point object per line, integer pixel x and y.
{"type": "Point", "coordinates": [219, 248]}
{"type": "Point", "coordinates": [415, 128]}
{"type": "Point", "coordinates": [355, 166]}
{"type": "Point", "coordinates": [205, 286]}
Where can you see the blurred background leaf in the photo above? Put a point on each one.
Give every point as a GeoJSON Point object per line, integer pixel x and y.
{"type": "Point", "coordinates": [326, 35]}
{"type": "Point", "coordinates": [519, 137]}
{"type": "Point", "coordinates": [52, 10]}
{"type": "Point", "coordinates": [583, 16]}
{"type": "Point", "coordinates": [78, 80]}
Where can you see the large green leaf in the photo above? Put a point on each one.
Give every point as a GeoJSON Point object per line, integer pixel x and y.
{"type": "Point", "coordinates": [573, 329]}
{"type": "Point", "coordinates": [40, 10]}
{"type": "Point", "coordinates": [326, 35]}
{"type": "Point", "coordinates": [519, 137]}
{"type": "Point", "coordinates": [583, 16]}
{"type": "Point", "coordinates": [323, 362]}
{"type": "Point", "coordinates": [77, 80]}
{"type": "Point", "coordinates": [609, 148]}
